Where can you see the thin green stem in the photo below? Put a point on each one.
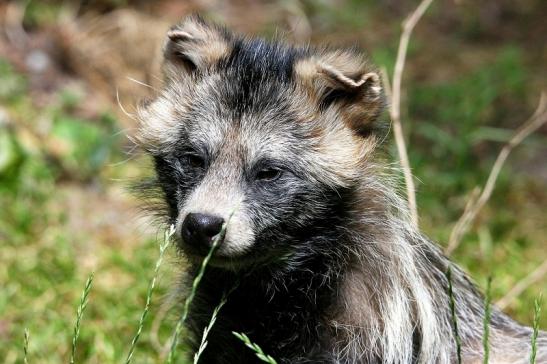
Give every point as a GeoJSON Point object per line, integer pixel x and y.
{"type": "Point", "coordinates": [212, 321]}
{"type": "Point", "coordinates": [25, 346]}
{"type": "Point", "coordinates": [486, 321]}
{"type": "Point", "coordinates": [535, 333]}
{"type": "Point", "coordinates": [79, 314]}
{"type": "Point", "coordinates": [190, 298]}
{"type": "Point", "coordinates": [151, 288]}
{"type": "Point", "coordinates": [254, 347]}
{"type": "Point", "coordinates": [452, 303]}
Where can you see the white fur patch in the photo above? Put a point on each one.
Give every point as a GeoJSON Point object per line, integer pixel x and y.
{"type": "Point", "coordinates": [214, 197]}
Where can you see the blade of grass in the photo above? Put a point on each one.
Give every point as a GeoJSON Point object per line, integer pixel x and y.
{"type": "Point", "coordinates": [25, 346]}
{"type": "Point", "coordinates": [190, 298]}
{"type": "Point", "coordinates": [79, 314]}
{"type": "Point", "coordinates": [151, 287]}
{"type": "Point", "coordinates": [254, 347]}
{"type": "Point", "coordinates": [452, 303]}
{"type": "Point", "coordinates": [212, 321]}
{"type": "Point", "coordinates": [537, 312]}
{"type": "Point", "coordinates": [486, 321]}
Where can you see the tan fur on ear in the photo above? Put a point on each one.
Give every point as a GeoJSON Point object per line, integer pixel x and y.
{"type": "Point", "coordinates": [195, 45]}
{"type": "Point", "coordinates": [177, 35]}
{"type": "Point", "coordinates": [343, 80]}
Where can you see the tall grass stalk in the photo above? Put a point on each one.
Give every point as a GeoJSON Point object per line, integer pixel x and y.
{"type": "Point", "coordinates": [254, 347]}
{"type": "Point", "coordinates": [163, 247]}
{"type": "Point", "coordinates": [486, 321]}
{"type": "Point", "coordinates": [190, 298]}
{"type": "Point", "coordinates": [537, 312]}
{"type": "Point", "coordinates": [25, 346]}
{"type": "Point", "coordinates": [212, 321]}
{"type": "Point", "coordinates": [79, 314]}
{"type": "Point", "coordinates": [452, 303]}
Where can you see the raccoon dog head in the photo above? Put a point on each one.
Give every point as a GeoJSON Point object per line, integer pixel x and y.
{"type": "Point", "coordinates": [261, 136]}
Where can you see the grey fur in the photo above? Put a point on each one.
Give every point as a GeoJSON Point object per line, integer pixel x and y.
{"type": "Point", "coordinates": [330, 233]}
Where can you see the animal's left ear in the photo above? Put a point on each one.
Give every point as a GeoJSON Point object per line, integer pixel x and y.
{"type": "Point", "coordinates": [343, 80]}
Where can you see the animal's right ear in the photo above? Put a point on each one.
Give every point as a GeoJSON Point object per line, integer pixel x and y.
{"type": "Point", "coordinates": [193, 46]}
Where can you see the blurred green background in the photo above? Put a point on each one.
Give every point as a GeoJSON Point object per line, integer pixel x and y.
{"type": "Point", "coordinates": [70, 77]}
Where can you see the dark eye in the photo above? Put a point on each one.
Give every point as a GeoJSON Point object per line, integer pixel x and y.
{"type": "Point", "coordinates": [195, 161]}
{"type": "Point", "coordinates": [268, 174]}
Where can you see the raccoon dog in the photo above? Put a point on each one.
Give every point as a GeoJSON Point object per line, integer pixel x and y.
{"type": "Point", "coordinates": [280, 143]}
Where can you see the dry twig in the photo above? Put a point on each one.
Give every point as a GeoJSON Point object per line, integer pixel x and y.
{"type": "Point", "coordinates": [521, 286]}
{"type": "Point", "coordinates": [395, 108]}
{"type": "Point", "coordinates": [473, 207]}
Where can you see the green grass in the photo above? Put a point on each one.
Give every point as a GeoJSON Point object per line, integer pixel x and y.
{"type": "Point", "coordinates": [203, 343]}
{"type": "Point", "coordinates": [25, 346]}
{"type": "Point", "coordinates": [255, 347]}
{"type": "Point", "coordinates": [214, 315]}
{"type": "Point", "coordinates": [166, 240]}
{"type": "Point", "coordinates": [486, 321]}
{"type": "Point", "coordinates": [188, 301]}
{"type": "Point", "coordinates": [535, 326]}
{"type": "Point", "coordinates": [454, 316]}
{"type": "Point", "coordinates": [79, 314]}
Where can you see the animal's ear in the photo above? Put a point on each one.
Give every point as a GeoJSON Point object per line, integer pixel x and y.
{"type": "Point", "coordinates": [341, 79]}
{"type": "Point", "coordinates": [194, 45]}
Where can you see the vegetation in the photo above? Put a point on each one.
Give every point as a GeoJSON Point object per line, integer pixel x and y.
{"type": "Point", "coordinates": [254, 347]}
{"type": "Point", "coordinates": [452, 302]}
{"type": "Point", "coordinates": [535, 326]}
{"type": "Point", "coordinates": [486, 321]}
{"type": "Point", "coordinates": [64, 168]}
{"type": "Point", "coordinates": [79, 314]}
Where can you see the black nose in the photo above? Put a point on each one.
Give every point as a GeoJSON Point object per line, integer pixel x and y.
{"type": "Point", "coordinates": [200, 229]}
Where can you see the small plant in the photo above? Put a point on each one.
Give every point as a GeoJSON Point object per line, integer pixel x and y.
{"type": "Point", "coordinates": [79, 314]}
{"type": "Point", "coordinates": [452, 303]}
{"type": "Point", "coordinates": [163, 246]}
{"type": "Point", "coordinates": [212, 321]}
{"type": "Point", "coordinates": [207, 329]}
{"type": "Point", "coordinates": [537, 312]}
{"type": "Point", "coordinates": [190, 298]}
{"type": "Point", "coordinates": [486, 321]}
{"type": "Point", "coordinates": [254, 347]}
{"type": "Point", "coordinates": [25, 346]}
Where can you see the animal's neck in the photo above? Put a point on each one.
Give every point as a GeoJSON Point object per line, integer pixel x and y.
{"type": "Point", "coordinates": [283, 308]}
